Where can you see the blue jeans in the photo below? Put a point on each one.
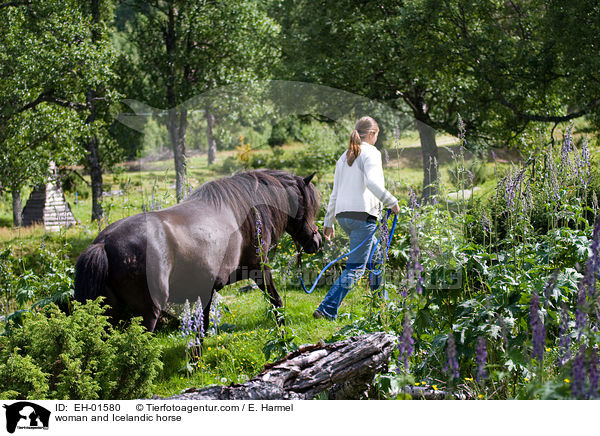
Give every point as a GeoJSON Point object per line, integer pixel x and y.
{"type": "Point", "coordinates": [355, 265]}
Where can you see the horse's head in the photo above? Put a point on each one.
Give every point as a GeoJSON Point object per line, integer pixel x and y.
{"type": "Point", "coordinates": [302, 227]}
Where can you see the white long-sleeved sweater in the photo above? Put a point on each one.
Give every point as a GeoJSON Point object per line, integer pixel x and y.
{"type": "Point", "coordinates": [360, 187]}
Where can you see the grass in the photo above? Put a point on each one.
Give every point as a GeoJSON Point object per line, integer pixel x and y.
{"type": "Point", "coordinates": [236, 352]}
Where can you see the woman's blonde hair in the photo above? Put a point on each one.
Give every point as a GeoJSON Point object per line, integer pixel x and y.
{"type": "Point", "coordinates": [362, 129]}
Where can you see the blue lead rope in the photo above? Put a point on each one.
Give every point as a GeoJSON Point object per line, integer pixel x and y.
{"type": "Point", "coordinates": [378, 272]}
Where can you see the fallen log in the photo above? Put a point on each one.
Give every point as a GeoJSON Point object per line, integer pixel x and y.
{"type": "Point", "coordinates": [344, 369]}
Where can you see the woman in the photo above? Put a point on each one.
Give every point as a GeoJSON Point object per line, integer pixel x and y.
{"type": "Point", "coordinates": [355, 202]}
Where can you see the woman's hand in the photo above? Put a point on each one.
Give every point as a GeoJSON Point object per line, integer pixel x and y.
{"type": "Point", "coordinates": [395, 208]}
{"type": "Point", "coordinates": [328, 233]}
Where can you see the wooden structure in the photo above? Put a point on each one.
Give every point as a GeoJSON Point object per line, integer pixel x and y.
{"type": "Point", "coordinates": [47, 205]}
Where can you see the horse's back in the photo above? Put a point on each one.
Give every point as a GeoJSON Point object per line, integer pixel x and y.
{"type": "Point", "coordinates": [190, 251]}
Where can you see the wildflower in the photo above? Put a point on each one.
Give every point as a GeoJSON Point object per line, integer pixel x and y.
{"type": "Point", "coordinates": [258, 227]}
{"type": "Point", "coordinates": [567, 381]}
{"type": "Point", "coordinates": [197, 319]}
{"type": "Point", "coordinates": [451, 365]}
{"type": "Point", "coordinates": [485, 223]}
{"type": "Point", "coordinates": [414, 266]}
{"type": "Point", "coordinates": [414, 204]}
{"type": "Point", "coordinates": [435, 388]}
{"type": "Point", "coordinates": [538, 331]}
{"type": "Point", "coordinates": [481, 357]}
{"type": "Point", "coordinates": [578, 375]}
{"type": "Point", "coordinates": [406, 342]}
{"type": "Point", "coordinates": [567, 147]}
{"type": "Point", "coordinates": [550, 286]}
{"type": "Point", "coordinates": [584, 164]}
{"type": "Point", "coordinates": [384, 235]}
{"type": "Point", "coordinates": [215, 318]}
{"type": "Point", "coordinates": [593, 374]}
{"type": "Point", "coordinates": [186, 320]}
{"type": "Point", "coordinates": [480, 396]}
{"type": "Point", "coordinates": [564, 341]}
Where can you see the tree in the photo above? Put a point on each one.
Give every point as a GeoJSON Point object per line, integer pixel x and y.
{"type": "Point", "coordinates": [47, 63]}
{"type": "Point", "coordinates": [501, 65]}
{"type": "Point", "coordinates": [186, 48]}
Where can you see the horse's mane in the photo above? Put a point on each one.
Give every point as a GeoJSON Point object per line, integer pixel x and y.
{"type": "Point", "coordinates": [277, 195]}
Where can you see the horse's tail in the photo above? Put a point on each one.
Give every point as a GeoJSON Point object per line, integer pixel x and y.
{"type": "Point", "coordinates": [91, 272]}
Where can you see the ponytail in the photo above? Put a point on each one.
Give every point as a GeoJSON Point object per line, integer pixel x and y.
{"type": "Point", "coordinates": [363, 127]}
{"type": "Point", "coordinates": [353, 147]}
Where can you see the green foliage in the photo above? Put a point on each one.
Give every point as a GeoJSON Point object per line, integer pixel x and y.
{"type": "Point", "coordinates": [44, 276]}
{"type": "Point", "coordinates": [80, 356]}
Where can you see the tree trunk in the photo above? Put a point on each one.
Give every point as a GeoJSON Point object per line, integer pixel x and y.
{"type": "Point", "coordinates": [16, 206]}
{"type": "Point", "coordinates": [177, 131]}
{"type": "Point", "coordinates": [212, 144]}
{"type": "Point", "coordinates": [95, 167]}
{"type": "Point", "coordinates": [177, 123]}
{"type": "Point", "coordinates": [93, 144]}
{"type": "Point", "coordinates": [429, 152]}
{"type": "Point", "coordinates": [345, 369]}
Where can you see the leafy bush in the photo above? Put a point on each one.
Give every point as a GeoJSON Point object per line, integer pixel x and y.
{"type": "Point", "coordinates": [81, 356]}
{"type": "Point", "coordinates": [45, 275]}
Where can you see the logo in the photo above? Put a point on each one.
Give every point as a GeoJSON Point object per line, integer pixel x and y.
{"type": "Point", "coordinates": [26, 415]}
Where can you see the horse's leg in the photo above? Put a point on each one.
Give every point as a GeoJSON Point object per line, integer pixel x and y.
{"type": "Point", "coordinates": [265, 282]}
{"type": "Point", "coordinates": [206, 315]}
{"type": "Point", "coordinates": [149, 317]}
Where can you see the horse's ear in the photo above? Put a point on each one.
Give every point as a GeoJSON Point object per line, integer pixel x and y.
{"type": "Point", "coordinates": [309, 178]}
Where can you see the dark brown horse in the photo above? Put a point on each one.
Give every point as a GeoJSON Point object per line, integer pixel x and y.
{"type": "Point", "coordinates": [198, 246]}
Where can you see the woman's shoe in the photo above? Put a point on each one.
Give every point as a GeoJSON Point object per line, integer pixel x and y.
{"type": "Point", "coordinates": [317, 314]}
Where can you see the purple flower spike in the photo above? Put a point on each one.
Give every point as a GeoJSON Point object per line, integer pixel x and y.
{"type": "Point", "coordinates": [258, 227]}
{"type": "Point", "coordinates": [451, 366]}
{"type": "Point", "coordinates": [198, 319]}
{"type": "Point", "coordinates": [538, 331]}
{"type": "Point", "coordinates": [593, 374]}
{"type": "Point", "coordinates": [578, 375]}
{"type": "Point", "coordinates": [481, 358]}
{"type": "Point", "coordinates": [406, 342]}
{"type": "Point", "coordinates": [485, 223]}
{"type": "Point", "coordinates": [186, 320]}
{"type": "Point", "coordinates": [414, 267]}
{"type": "Point", "coordinates": [564, 337]}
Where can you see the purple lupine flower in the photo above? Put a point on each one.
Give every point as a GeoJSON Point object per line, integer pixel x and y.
{"type": "Point", "coordinates": [585, 163]}
{"type": "Point", "coordinates": [593, 374]}
{"type": "Point", "coordinates": [550, 286]}
{"type": "Point", "coordinates": [564, 341]}
{"type": "Point", "coordinates": [481, 358]}
{"type": "Point", "coordinates": [186, 320]}
{"type": "Point", "coordinates": [414, 267]}
{"type": "Point", "coordinates": [198, 319]}
{"type": "Point", "coordinates": [258, 226]}
{"type": "Point", "coordinates": [384, 235]}
{"type": "Point", "coordinates": [538, 332]}
{"type": "Point", "coordinates": [510, 185]}
{"type": "Point", "coordinates": [581, 311]}
{"type": "Point", "coordinates": [485, 223]}
{"type": "Point", "coordinates": [451, 366]}
{"type": "Point", "coordinates": [413, 202]}
{"type": "Point", "coordinates": [406, 343]}
{"type": "Point", "coordinates": [578, 375]}
{"type": "Point", "coordinates": [566, 150]}
{"type": "Point", "coordinates": [215, 319]}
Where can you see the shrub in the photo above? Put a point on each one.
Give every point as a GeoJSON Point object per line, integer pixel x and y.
{"type": "Point", "coordinates": [80, 356]}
